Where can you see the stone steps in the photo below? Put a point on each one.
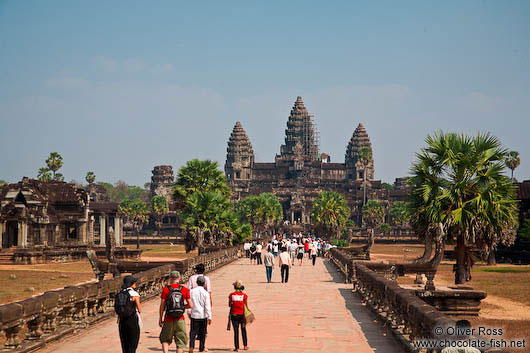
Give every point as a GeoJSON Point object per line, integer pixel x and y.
{"type": "Point", "coordinates": [6, 256]}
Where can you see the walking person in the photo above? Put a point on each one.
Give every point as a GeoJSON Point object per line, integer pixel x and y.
{"type": "Point", "coordinates": [237, 301]}
{"type": "Point", "coordinates": [253, 253]}
{"type": "Point", "coordinates": [192, 283]}
{"type": "Point", "coordinates": [175, 299]}
{"type": "Point", "coordinates": [313, 253]}
{"type": "Point", "coordinates": [285, 264]}
{"type": "Point", "coordinates": [293, 247]}
{"type": "Point", "coordinates": [201, 314]}
{"type": "Point", "coordinates": [259, 248]}
{"type": "Point", "coordinates": [268, 261]}
{"type": "Point", "coordinates": [300, 255]}
{"type": "Point", "coordinates": [127, 306]}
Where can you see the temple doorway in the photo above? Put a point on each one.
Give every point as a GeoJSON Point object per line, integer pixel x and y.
{"type": "Point", "coordinates": [10, 236]}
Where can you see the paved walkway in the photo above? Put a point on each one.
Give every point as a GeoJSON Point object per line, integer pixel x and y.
{"type": "Point", "coordinates": [314, 312]}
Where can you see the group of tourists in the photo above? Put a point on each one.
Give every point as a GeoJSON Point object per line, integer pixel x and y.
{"type": "Point", "coordinates": [287, 250]}
{"type": "Point", "coordinates": [176, 301]}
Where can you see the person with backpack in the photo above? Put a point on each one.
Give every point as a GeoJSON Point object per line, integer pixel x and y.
{"type": "Point", "coordinates": [237, 301]}
{"type": "Point", "coordinates": [201, 314]}
{"type": "Point", "coordinates": [175, 299]}
{"type": "Point", "coordinates": [127, 307]}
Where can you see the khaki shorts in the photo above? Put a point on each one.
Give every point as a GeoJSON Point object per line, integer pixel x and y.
{"type": "Point", "coordinates": [174, 330]}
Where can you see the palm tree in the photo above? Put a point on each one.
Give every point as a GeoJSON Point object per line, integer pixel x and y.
{"type": "Point", "coordinates": [513, 160]}
{"type": "Point", "coordinates": [330, 212]}
{"type": "Point", "coordinates": [159, 207]}
{"type": "Point", "coordinates": [272, 209]}
{"type": "Point", "coordinates": [365, 156]}
{"type": "Point", "coordinates": [44, 174]}
{"type": "Point", "coordinates": [54, 163]}
{"type": "Point", "coordinates": [90, 177]}
{"type": "Point", "coordinates": [136, 212]}
{"type": "Point", "coordinates": [458, 183]}
{"type": "Point", "coordinates": [399, 213]}
{"type": "Point", "coordinates": [373, 218]}
{"type": "Point", "coordinates": [199, 175]}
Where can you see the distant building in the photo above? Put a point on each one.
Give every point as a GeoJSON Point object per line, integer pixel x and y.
{"type": "Point", "coordinates": [38, 214]}
{"type": "Point", "coordinates": [300, 172]}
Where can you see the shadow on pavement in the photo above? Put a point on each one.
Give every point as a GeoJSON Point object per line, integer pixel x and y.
{"type": "Point", "coordinates": [379, 337]}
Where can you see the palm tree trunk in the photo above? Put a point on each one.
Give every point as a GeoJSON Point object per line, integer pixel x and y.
{"type": "Point", "coordinates": [364, 187]}
{"type": "Point", "coordinates": [461, 268]}
{"type": "Point", "coordinates": [512, 173]}
{"type": "Point", "coordinates": [491, 257]}
{"type": "Point", "coordinates": [427, 252]}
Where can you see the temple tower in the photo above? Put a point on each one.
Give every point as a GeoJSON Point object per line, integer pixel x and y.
{"type": "Point", "coordinates": [239, 155]}
{"type": "Point", "coordinates": [301, 137]}
{"type": "Point", "coordinates": [354, 167]}
{"type": "Point", "coordinates": [162, 181]}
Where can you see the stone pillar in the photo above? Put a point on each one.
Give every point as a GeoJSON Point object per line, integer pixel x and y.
{"type": "Point", "coordinates": [102, 229]}
{"type": "Point", "coordinates": [43, 240]}
{"type": "Point", "coordinates": [22, 234]}
{"type": "Point", "coordinates": [2, 230]}
{"type": "Point", "coordinates": [117, 231]}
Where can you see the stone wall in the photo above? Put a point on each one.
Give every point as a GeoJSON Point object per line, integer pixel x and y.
{"type": "Point", "coordinates": [410, 318]}
{"type": "Point", "coordinates": [32, 323]}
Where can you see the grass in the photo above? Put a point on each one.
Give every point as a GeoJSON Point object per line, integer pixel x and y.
{"type": "Point", "coordinates": [24, 281]}
{"type": "Point", "coordinates": [504, 269]}
{"type": "Point", "coordinates": [173, 252]}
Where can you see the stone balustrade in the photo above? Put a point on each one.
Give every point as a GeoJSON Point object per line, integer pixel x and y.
{"type": "Point", "coordinates": [32, 323]}
{"type": "Point", "coordinates": [410, 318]}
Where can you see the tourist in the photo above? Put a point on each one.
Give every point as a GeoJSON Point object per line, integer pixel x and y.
{"type": "Point", "coordinates": [253, 253]}
{"type": "Point", "coordinates": [129, 327]}
{"type": "Point", "coordinates": [201, 314]}
{"type": "Point", "coordinates": [259, 248]}
{"type": "Point", "coordinates": [292, 250]}
{"type": "Point", "coordinates": [246, 247]}
{"type": "Point", "coordinates": [313, 253]}
{"type": "Point", "coordinates": [174, 327]}
{"type": "Point", "coordinates": [306, 248]}
{"type": "Point", "coordinates": [199, 272]}
{"type": "Point", "coordinates": [268, 261]}
{"type": "Point", "coordinates": [285, 264]}
{"type": "Point", "coordinates": [300, 255]}
{"type": "Point", "coordinates": [237, 301]}
{"type": "Point", "coordinates": [276, 247]}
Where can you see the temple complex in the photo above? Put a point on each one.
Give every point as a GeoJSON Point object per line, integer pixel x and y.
{"type": "Point", "coordinates": [43, 214]}
{"type": "Point", "coordinates": [300, 172]}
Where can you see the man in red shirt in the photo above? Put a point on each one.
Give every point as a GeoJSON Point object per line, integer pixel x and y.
{"type": "Point", "coordinates": [173, 328]}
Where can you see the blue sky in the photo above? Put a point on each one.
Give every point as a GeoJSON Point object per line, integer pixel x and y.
{"type": "Point", "coordinates": [119, 87]}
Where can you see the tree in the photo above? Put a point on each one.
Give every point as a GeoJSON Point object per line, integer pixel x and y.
{"type": "Point", "coordinates": [159, 207]}
{"type": "Point", "coordinates": [197, 175]}
{"type": "Point", "coordinates": [385, 228]}
{"type": "Point", "coordinates": [44, 174]}
{"type": "Point", "coordinates": [400, 213]}
{"type": "Point", "coordinates": [388, 186]}
{"type": "Point", "coordinates": [513, 160]}
{"type": "Point", "coordinates": [260, 211]}
{"type": "Point", "coordinates": [459, 188]}
{"type": "Point", "coordinates": [365, 156]}
{"type": "Point", "coordinates": [136, 212]}
{"type": "Point", "coordinates": [373, 218]}
{"type": "Point", "coordinates": [330, 212]}
{"type": "Point", "coordinates": [2, 182]}
{"type": "Point", "coordinates": [90, 177]}
{"type": "Point", "coordinates": [54, 163]}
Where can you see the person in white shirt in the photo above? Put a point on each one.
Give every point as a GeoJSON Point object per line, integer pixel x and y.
{"type": "Point", "coordinates": [259, 247]}
{"type": "Point", "coordinates": [246, 247]}
{"type": "Point", "coordinates": [293, 247]}
{"type": "Point", "coordinates": [285, 264]}
{"type": "Point", "coordinates": [201, 314]}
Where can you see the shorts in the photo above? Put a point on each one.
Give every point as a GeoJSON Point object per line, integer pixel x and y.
{"type": "Point", "coordinates": [300, 256]}
{"type": "Point", "coordinates": [174, 330]}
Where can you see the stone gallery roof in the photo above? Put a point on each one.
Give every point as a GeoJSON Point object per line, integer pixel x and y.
{"type": "Point", "coordinates": [264, 165]}
{"type": "Point", "coordinates": [239, 143]}
{"type": "Point", "coordinates": [333, 166]}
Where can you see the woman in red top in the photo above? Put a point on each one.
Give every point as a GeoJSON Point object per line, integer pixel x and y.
{"type": "Point", "coordinates": [237, 301]}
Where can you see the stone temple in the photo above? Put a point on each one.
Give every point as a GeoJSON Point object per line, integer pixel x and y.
{"type": "Point", "coordinates": [300, 172]}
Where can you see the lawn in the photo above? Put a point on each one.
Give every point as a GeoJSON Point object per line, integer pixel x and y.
{"type": "Point", "coordinates": [164, 251]}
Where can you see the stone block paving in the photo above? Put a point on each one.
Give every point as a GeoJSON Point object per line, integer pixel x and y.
{"type": "Point", "coordinates": [314, 312]}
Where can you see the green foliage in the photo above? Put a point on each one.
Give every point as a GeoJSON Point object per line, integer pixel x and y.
{"type": "Point", "coordinates": [340, 243]}
{"type": "Point", "coordinates": [121, 191]}
{"type": "Point", "coordinates": [365, 155]}
{"type": "Point", "coordinates": [259, 211]}
{"type": "Point", "coordinates": [243, 233]}
{"type": "Point", "coordinates": [388, 186]}
{"type": "Point", "coordinates": [505, 269]}
{"type": "Point", "coordinates": [400, 213]}
{"type": "Point", "coordinates": [159, 207]}
{"type": "Point", "coordinates": [373, 214]}
{"type": "Point", "coordinates": [134, 211]}
{"type": "Point", "coordinates": [90, 177]}
{"type": "Point", "coordinates": [199, 176]}
{"type": "Point", "coordinates": [350, 223]}
{"type": "Point", "coordinates": [58, 177]}
{"type": "Point", "coordinates": [2, 182]}
{"type": "Point", "coordinates": [330, 212]}
{"type": "Point", "coordinates": [385, 228]}
{"type": "Point", "coordinates": [44, 174]}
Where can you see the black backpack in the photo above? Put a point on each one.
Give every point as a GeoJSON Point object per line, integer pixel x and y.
{"type": "Point", "coordinates": [175, 302]}
{"type": "Point", "coordinates": [123, 304]}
